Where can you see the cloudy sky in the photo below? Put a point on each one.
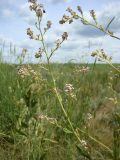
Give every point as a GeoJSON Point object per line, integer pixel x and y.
{"type": "Point", "coordinates": [15, 18]}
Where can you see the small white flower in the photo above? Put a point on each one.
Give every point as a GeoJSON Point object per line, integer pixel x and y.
{"type": "Point", "coordinates": [68, 88]}
{"type": "Point", "coordinates": [84, 144]}
{"type": "Point", "coordinates": [89, 116]}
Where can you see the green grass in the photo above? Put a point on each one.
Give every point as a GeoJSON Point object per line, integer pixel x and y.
{"type": "Point", "coordinates": [22, 137]}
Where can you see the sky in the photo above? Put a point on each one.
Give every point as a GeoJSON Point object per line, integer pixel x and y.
{"type": "Point", "coordinates": [15, 18]}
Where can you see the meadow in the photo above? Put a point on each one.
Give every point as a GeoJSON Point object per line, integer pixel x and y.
{"type": "Point", "coordinates": [33, 125]}
{"type": "Point", "coordinates": [53, 111]}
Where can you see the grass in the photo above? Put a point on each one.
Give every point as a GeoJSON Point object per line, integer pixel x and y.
{"type": "Point", "coordinates": [59, 111]}
{"type": "Point", "coordinates": [32, 123]}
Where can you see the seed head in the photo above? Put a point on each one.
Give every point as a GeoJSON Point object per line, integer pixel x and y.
{"type": "Point", "coordinates": [30, 33]}
{"type": "Point", "coordinates": [39, 53]}
{"type": "Point", "coordinates": [49, 23]}
{"type": "Point", "coordinates": [39, 12]}
{"type": "Point", "coordinates": [62, 21]}
{"type": "Point", "coordinates": [33, 7]}
{"type": "Point", "coordinates": [93, 15]}
{"type": "Point", "coordinates": [58, 42]}
{"type": "Point", "coordinates": [69, 9]}
{"type": "Point", "coordinates": [65, 36]}
{"type": "Point", "coordinates": [70, 21]}
{"type": "Point", "coordinates": [80, 10]}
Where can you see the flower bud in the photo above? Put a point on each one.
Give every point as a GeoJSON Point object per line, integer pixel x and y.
{"type": "Point", "coordinates": [49, 23]}
{"type": "Point", "coordinates": [39, 12]}
{"type": "Point", "coordinates": [65, 36]}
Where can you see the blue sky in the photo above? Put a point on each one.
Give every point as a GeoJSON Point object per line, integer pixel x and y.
{"type": "Point", "coordinates": [16, 18]}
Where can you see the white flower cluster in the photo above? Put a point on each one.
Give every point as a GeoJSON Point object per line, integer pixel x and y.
{"type": "Point", "coordinates": [84, 144]}
{"type": "Point", "coordinates": [101, 55]}
{"type": "Point", "coordinates": [25, 71]}
{"type": "Point", "coordinates": [68, 88]}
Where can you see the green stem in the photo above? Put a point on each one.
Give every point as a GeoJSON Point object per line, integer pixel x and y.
{"type": "Point", "coordinates": [97, 141]}
{"type": "Point", "coordinates": [54, 83]}
{"type": "Point", "coordinates": [98, 27]}
{"type": "Point", "coordinates": [113, 67]}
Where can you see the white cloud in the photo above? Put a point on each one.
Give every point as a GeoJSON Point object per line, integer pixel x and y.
{"type": "Point", "coordinates": [6, 3]}
{"type": "Point", "coordinates": [81, 38]}
{"type": "Point", "coordinates": [56, 1]}
{"type": "Point", "coordinates": [7, 13]}
{"type": "Point", "coordinates": [5, 40]}
{"type": "Point", "coordinates": [7, 8]}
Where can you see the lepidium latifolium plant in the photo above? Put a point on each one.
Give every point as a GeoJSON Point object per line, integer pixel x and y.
{"type": "Point", "coordinates": [43, 50]}
{"type": "Point", "coordinates": [31, 119]}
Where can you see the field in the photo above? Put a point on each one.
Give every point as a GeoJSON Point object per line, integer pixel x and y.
{"type": "Point", "coordinates": [33, 126]}
{"type": "Point", "coordinates": [64, 110]}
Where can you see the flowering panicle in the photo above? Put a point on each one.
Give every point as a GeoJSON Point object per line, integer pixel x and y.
{"type": "Point", "coordinates": [75, 16]}
{"type": "Point", "coordinates": [69, 19]}
{"type": "Point", "coordinates": [68, 89]}
{"type": "Point", "coordinates": [65, 18]}
{"type": "Point", "coordinates": [48, 25]}
{"type": "Point", "coordinates": [101, 55]}
{"type": "Point", "coordinates": [93, 15]}
{"type": "Point", "coordinates": [89, 116]}
{"type": "Point", "coordinates": [25, 71]}
{"type": "Point", "coordinates": [39, 53]}
{"type": "Point", "coordinates": [80, 10]}
{"type": "Point", "coordinates": [30, 33]}
{"type": "Point", "coordinates": [64, 36]}
{"type": "Point", "coordinates": [37, 8]}
{"type": "Point", "coordinates": [58, 42]}
{"type": "Point", "coordinates": [84, 144]}
{"type": "Point", "coordinates": [83, 69]}
{"type": "Point", "coordinates": [46, 118]}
